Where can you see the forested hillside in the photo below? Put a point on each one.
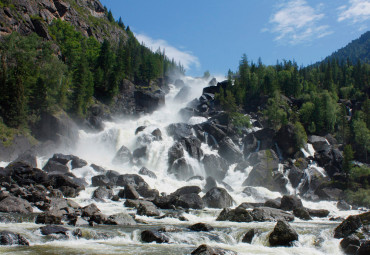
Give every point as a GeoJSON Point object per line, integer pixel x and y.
{"type": "Point", "coordinates": [51, 62]}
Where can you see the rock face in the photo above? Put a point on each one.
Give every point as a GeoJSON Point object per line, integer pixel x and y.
{"type": "Point", "coordinates": [217, 198]}
{"type": "Point", "coordinates": [348, 226]}
{"type": "Point", "coordinates": [9, 238]}
{"type": "Point", "coordinates": [27, 16]}
{"type": "Point", "coordinates": [286, 140]}
{"type": "Point", "coordinates": [19, 145]}
{"type": "Point", "coordinates": [149, 101]}
{"type": "Point", "coordinates": [283, 235]}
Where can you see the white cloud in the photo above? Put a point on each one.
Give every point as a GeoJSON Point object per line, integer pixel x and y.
{"type": "Point", "coordinates": [296, 22]}
{"type": "Point", "coordinates": [186, 58]}
{"type": "Point", "coordinates": [357, 11]}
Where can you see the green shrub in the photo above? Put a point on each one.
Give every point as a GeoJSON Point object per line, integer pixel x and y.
{"type": "Point", "coordinates": [361, 197]}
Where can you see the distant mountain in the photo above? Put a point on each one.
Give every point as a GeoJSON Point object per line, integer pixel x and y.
{"type": "Point", "coordinates": [358, 49]}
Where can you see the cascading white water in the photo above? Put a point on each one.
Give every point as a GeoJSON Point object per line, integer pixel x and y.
{"type": "Point", "coordinates": [100, 148]}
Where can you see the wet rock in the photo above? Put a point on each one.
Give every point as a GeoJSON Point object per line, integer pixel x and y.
{"type": "Point", "coordinates": [229, 151]}
{"type": "Point", "coordinates": [78, 163]}
{"type": "Point", "coordinates": [273, 203]}
{"type": "Point", "coordinates": [149, 236]}
{"type": "Point", "coordinates": [55, 166]}
{"type": "Point", "coordinates": [302, 213]}
{"type": "Point", "coordinates": [183, 94]}
{"type": "Point", "coordinates": [331, 160]}
{"type": "Point", "coordinates": [289, 203]}
{"type": "Point", "coordinates": [102, 193]}
{"type": "Point", "coordinates": [283, 235]}
{"type": "Point", "coordinates": [179, 130]}
{"type": "Point", "coordinates": [236, 215]}
{"type": "Point", "coordinates": [348, 226]}
{"type": "Point", "coordinates": [218, 198]}
{"type": "Point", "coordinates": [100, 180]}
{"type": "Point", "coordinates": [78, 221]}
{"type": "Point", "coordinates": [319, 143]}
{"type": "Point", "coordinates": [215, 166]}
{"type": "Point", "coordinates": [52, 229]}
{"type": "Point", "coordinates": [147, 208]}
{"type": "Point", "coordinates": [210, 183]}
{"type": "Point", "coordinates": [146, 171]}
{"type": "Point", "coordinates": [175, 152]}
{"type": "Point", "coordinates": [187, 201]}
{"type": "Point", "coordinates": [136, 180]}
{"type": "Point", "coordinates": [186, 190]}
{"type": "Point", "coordinates": [364, 248]}
{"type": "Point", "coordinates": [328, 193]}
{"type": "Point", "coordinates": [149, 101]}
{"type": "Point", "coordinates": [122, 219]}
{"type": "Point", "coordinates": [192, 146]}
{"type": "Point", "coordinates": [169, 229]}
{"type": "Point", "coordinates": [66, 185]}
{"type": "Point", "coordinates": [207, 250]}
{"type": "Point", "coordinates": [140, 152]}
{"type": "Point", "coordinates": [342, 205]}
{"type": "Point", "coordinates": [122, 156]}
{"type": "Point", "coordinates": [51, 217]}
{"type": "Point", "coordinates": [295, 176]}
{"type": "Point", "coordinates": [248, 237]}
{"type": "Point", "coordinates": [90, 210]}
{"type": "Point", "coordinates": [320, 213]}
{"type": "Point", "coordinates": [262, 214]}
{"type": "Point", "coordinates": [157, 133]}
{"type": "Point", "coordinates": [29, 158]}
{"type": "Point", "coordinates": [13, 204]}
{"type": "Point", "coordinates": [97, 168]}
{"type": "Point", "coordinates": [10, 238]}
{"type": "Point", "coordinates": [250, 144]}
{"type": "Point", "coordinates": [286, 140]}
{"type": "Point", "coordinates": [350, 244]}
{"type": "Point", "coordinates": [181, 169]}
{"type": "Point", "coordinates": [140, 129]}
{"type": "Point", "coordinates": [201, 227]}
{"type": "Point", "coordinates": [130, 192]}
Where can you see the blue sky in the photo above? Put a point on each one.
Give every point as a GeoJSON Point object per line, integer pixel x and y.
{"type": "Point", "coordinates": [213, 34]}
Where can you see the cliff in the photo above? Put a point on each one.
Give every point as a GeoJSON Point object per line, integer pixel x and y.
{"type": "Point", "coordinates": [27, 16]}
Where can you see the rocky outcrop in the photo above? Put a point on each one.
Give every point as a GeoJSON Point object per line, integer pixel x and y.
{"type": "Point", "coordinates": [27, 16]}
{"type": "Point", "coordinates": [149, 102]}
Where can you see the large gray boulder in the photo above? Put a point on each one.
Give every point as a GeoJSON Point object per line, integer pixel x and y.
{"type": "Point", "coordinates": [283, 235]}
{"type": "Point", "coordinates": [218, 198]}
{"type": "Point", "coordinates": [123, 156]}
{"type": "Point", "coordinates": [148, 101]}
{"type": "Point", "coordinates": [13, 204]}
{"type": "Point", "coordinates": [10, 238]}
{"type": "Point", "coordinates": [215, 166]}
{"type": "Point", "coordinates": [237, 215]}
{"type": "Point", "coordinates": [229, 151]}
{"type": "Point", "coordinates": [270, 214]}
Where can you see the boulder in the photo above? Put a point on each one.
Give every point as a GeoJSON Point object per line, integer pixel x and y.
{"type": "Point", "coordinates": [215, 166]}
{"type": "Point", "coordinates": [302, 213]}
{"type": "Point", "coordinates": [229, 151]}
{"type": "Point", "coordinates": [283, 235]}
{"type": "Point", "coordinates": [236, 215]}
{"type": "Point", "coordinates": [217, 198]}
{"type": "Point", "coordinates": [286, 140]}
{"type": "Point", "coordinates": [29, 158]}
{"type": "Point", "coordinates": [328, 193]}
{"type": "Point", "coordinates": [55, 166]}
{"type": "Point", "coordinates": [295, 176]}
{"type": "Point", "coordinates": [149, 101]}
{"type": "Point", "coordinates": [364, 248]}
{"type": "Point", "coordinates": [78, 163]}
{"type": "Point", "coordinates": [320, 213]}
{"type": "Point", "coordinates": [130, 192]}
{"type": "Point", "coordinates": [248, 237]}
{"type": "Point", "coordinates": [100, 180]}
{"type": "Point", "coordinates": [157, 133]}
{"type": "Point", "coordinates": [262, 214]}
{"type": "Point", "coordinates": [201, 227]}
{"type": "Point", "coordinates": [250, 144]}
{"type": "Point", "coordinates": [348, 226]}
{"type": "Point", "coordinates": [187, 201]}
{"type": "Point", "coordinates": [179, 130]}
{"type": "Point", "coordinates": [11, 204]}
{"type": "Point", "coordinates": [350, 244]}
{"type": "Point", "coordinates": [53, 229]}
{"type": "Point", "coordinates": [24, 174]}
{"type": "Point", "coordinates": [210, 183]}
{"type": "Point", "coordinates": [102, 193]}
{"type": "Point", "coordinates": [136, 180]}
{"type": "Point", "coordinates": [10, 238]}
{"type": "Point", "coordinates": [146, 171]}
{"type": "Point", "coordinates": [289, 203]}
{"type": "Point", "coordinates": [65, 183]}
{"type": "Point", "coordinates": [51, 217]}
{"type": "Point", "coordinates": [186, 190]}
{"type": "Point", "coordinates": [331, 160]}
{"type": "Point", "coordinates": [122, 219]}
{"type": "Point", "coordinates": [90, 210]}
{"type": "Point", "coordinates": [149, 236]}
{"type": "Point", "coordinates": [122, 156]}
{"type": "Point", "coordinates": [208, 250]}
{"type": "Point", "coordinates": [181, 169]}
{"type": "Point", "coordinates": [175, 152]}
{"type": "Point", "coordinates": [139, 152]}
{"type": "Point", "coordinates": [319, 143]}
{"type": "Point", "coordinates": [147, 208]}
{"type": "Point", "coordinates": [192, 146]}
{"type": "Point", "coordinates": [342, 205]}
{"type": "Point", "coordinates": [273, 203]}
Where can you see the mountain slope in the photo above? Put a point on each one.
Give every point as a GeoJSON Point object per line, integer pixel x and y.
{"type": "Point", "coordinates": [87, 16]}
{"type": "Point", "coordinates": [358, 49]}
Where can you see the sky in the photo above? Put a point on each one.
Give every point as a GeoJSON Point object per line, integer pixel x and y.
{"type": "Point", "coordinates": [212, 35]}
